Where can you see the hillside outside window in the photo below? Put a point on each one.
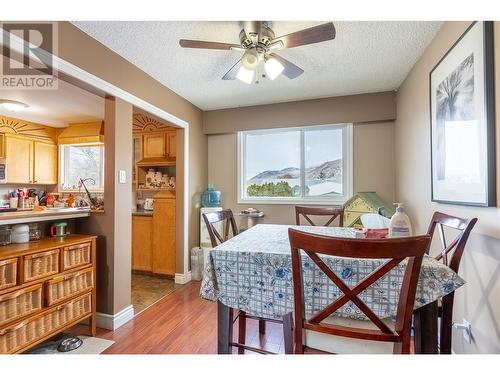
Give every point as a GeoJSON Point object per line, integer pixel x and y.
{"type": "Point", "coordinates": [310, 164]}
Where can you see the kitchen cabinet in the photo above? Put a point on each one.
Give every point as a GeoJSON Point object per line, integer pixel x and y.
{"type": "Point", "coordinates": [30, 162]}
{"type": "Point", "coordinates": [142, 243]}
{"type": "Point", "coordinates": [19, 156]}
{"type": "Point", "coordinates": [153, 237]}
{"type": "Point", "coordinates": [154, 145]}
{"type": "Point", "coordinates": [159, 145]}
{"type": "Point", "coordinates": [164, 233]}
{"type": "Point", "coordinates": [45, 163]}
{"type": "Point", "coordinates": [170, 142]}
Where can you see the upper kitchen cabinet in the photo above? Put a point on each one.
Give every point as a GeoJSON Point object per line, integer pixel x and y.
{"type": "Point", "coordinates": [157, 139]}
{"type": "Point", "coordinates": [45, 163]}
{"type": "Point", "coordinates": [154, 145]}
{"type": "Point", "coordinates": [30, 152]}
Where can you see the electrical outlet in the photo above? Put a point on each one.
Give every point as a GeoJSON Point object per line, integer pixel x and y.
{"type": "Point", "coordinates": [467, 331]}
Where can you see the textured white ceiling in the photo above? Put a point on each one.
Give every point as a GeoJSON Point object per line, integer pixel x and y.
{"type": "Point", "coordinates": [57, 108]}
{"type": "Point", "coordinates": [364, 57]}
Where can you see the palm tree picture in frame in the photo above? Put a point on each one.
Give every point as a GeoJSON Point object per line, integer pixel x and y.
{"type": "Point", "coordinates": [463, 121]}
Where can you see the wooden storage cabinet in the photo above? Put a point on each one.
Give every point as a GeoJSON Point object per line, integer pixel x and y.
{"type": "Point", "coordinates": [30, 161]}
{"type": "Point", "coordinates": [142, 243]}
{"type": "Point", "coordinates": [53, 293]}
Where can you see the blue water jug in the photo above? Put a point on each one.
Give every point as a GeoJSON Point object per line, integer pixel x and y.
{"type": "Point", "coordinates": [210, 197]}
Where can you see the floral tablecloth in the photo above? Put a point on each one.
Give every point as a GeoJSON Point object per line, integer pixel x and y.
{"type": "Point", "coordinates": [253, 272]}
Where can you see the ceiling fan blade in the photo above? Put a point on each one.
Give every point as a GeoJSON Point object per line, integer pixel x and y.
{"type": "Point", "coordinates": [187, 43]}
{"type": "Point", "coordinates": [231, 74]}
{"type": "Point", "coordinates": [291, 70]}
{"type": "Point", "coordinates": [311, 35]}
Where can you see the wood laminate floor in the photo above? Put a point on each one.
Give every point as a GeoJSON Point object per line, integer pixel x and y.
{"type": "Point", "coordinates": [182, 323]}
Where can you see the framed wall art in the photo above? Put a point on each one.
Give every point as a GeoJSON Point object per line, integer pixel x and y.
{"type": "Point", "coordinates": [463, 121]}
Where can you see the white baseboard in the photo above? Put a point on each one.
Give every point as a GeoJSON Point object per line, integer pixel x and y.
{"type": "Point", "coordinates": [182, 278]}
{"type": "Point", "coordinates": [112, 322]}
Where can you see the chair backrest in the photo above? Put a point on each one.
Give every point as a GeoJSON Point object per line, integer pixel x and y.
{"type": "Point", "coordinates": [226, 216]}
{"type": "Point", "coordinates": [451, 253]}
{"type": "Point", "coordinates": [391, 250]}
{"type": "Point", "coordinates": [332, 211]}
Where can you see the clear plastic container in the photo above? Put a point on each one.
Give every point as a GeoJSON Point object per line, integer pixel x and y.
{"type": "Point", "coordinates": [5, 236]}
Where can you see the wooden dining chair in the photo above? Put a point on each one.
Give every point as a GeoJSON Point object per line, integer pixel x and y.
{"type": "Point", "coordinates": [326, 333]}
{"type": "Point", "coordinates": [332, 211]}
{"type": "Point", "coordinates": [450, 254]}
{"type": "Point", "coordinates": [226, 218]}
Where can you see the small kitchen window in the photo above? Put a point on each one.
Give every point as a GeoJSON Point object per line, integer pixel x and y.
{"type": "Point", "coordinates": [84, 161]}
{"type": "Point", "coordinates": [309, 164]}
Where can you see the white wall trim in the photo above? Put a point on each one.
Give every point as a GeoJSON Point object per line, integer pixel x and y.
{"type": "Point", "coordinates": [112, 322]}
{"type": "Point", "coordinates": [17, 44]}
{"type": "Point", "coordinates": [182, 278]}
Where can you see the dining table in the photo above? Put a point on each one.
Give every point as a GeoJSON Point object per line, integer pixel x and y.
{"type": "Point", "coordinates": [252, 272]}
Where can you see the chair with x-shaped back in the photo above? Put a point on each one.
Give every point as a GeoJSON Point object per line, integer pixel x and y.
{"type": "Point", "coordinates": [332, 211]}
{"type": "Point", "coordinates": [325, 332]}
{"type": "Point", "coordinates": [450, 254]}
{"type": "Point", "coordinates": [226, 217]}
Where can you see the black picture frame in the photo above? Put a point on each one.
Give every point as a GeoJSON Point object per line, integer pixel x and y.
{"type": "Point", "coordinates": [488, 113]}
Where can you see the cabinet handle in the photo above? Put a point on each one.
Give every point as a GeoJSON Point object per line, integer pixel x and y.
{"type": "Point", "coordinates": [35, 181]}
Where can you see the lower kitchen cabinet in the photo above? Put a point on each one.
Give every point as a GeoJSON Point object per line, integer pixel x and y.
{"type": "Point", "coordinates": [153, 238]}
{"type": "Point", "coordinates": [142, 243]}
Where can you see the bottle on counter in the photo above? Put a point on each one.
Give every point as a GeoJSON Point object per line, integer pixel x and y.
{"type": "Point", "coordinates": [400, 225]}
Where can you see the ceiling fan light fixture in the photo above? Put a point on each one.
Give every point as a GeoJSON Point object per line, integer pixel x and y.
{"type": "Point", "coordinates": [245, 75]}
{"type": "Point", "coordinates": [13, 105]}
{"type": "Point", "coordinates": [273, 68]}
{"type": "Point", "coordinates": [250, 59]}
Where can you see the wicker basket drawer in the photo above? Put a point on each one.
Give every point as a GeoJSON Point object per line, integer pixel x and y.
{"type": "Point", "coordinates": [8, 273]}
{"type": "Point", "coordinates": [20, 335]}
{"type": "Point", "coordinates": [76, 255]}
{"type": "Point", "coordinates": [40, 265]}
{"type": "Point", "coordinates": [20, 303]}
{"type": "Point", "coordinates": [63, 287]}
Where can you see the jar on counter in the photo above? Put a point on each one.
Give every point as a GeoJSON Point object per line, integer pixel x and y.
{"type": "Point", "coordinates": [35, 232]}
{"type": "Point", "coordinates": [20, 233]}
{"type": "Point", "coordinates": [5, 236]}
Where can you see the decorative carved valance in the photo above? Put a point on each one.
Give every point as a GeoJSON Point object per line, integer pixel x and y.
{"type": "Point", "coordinates": [10, 125]}
{"type": "Point", "coordinates": [144, 123]}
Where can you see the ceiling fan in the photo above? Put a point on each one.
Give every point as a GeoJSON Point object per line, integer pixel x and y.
{"type": "Point", "coordinates": [258, 42]}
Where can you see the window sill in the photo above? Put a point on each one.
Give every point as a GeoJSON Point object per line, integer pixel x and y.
{"type": "Point", "coordinates": [270, 201]}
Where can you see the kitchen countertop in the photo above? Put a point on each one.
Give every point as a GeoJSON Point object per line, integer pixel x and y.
{"type": "Point", "coordinates": [142, 212]}
{"type": "Point", "coordinates": [30, 216]}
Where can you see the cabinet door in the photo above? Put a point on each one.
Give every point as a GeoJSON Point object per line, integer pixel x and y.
{"type": "Point", "coordinates": [154, 145]}
{"type": "Point", "coordinates": [171, 144]}
{"type": "Point", "coordinates": [45, 163]}
{"type": "Point", "coordinates": [19, 157]}
{"type": "Point", "coordinates": [164, 236]}
{"type": "Point", "coordinates": [137, 149]}
{"type": "Point", "coordinates": [142, 243]}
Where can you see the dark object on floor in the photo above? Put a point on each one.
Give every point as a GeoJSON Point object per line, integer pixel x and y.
{"type": "Point", "coordinates": [69, 344]}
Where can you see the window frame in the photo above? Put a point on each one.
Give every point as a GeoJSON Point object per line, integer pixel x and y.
{"type": "Point", "coordinates": [63, 165]}
{"type": "Point", "coordinates": [347, 166]}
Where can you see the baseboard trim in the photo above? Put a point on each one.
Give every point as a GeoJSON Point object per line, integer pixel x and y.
{"type": "Point", "coordinates": [112, 322]}
{"type": "Point", "coordinates": [182, 278]}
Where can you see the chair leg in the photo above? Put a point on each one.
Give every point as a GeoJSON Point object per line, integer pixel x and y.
{"type": "Point", "coordinates": [242, 330]}
{"type": "Point", "coordinates": [262, 326]}
{"type": "Point", "coordinates": [446, 324]}
{"type": "Point", "coordinates": [288, 332]}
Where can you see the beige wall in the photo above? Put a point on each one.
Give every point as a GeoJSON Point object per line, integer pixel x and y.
{"type": "Point", "coordinates": [353, 108]}
{"type": "Point", "coordinates": [85, 52]}
{"type": "Point", "coordinates": [479, 300]}
{"type": "Point", "coordinates": [373, 168]}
